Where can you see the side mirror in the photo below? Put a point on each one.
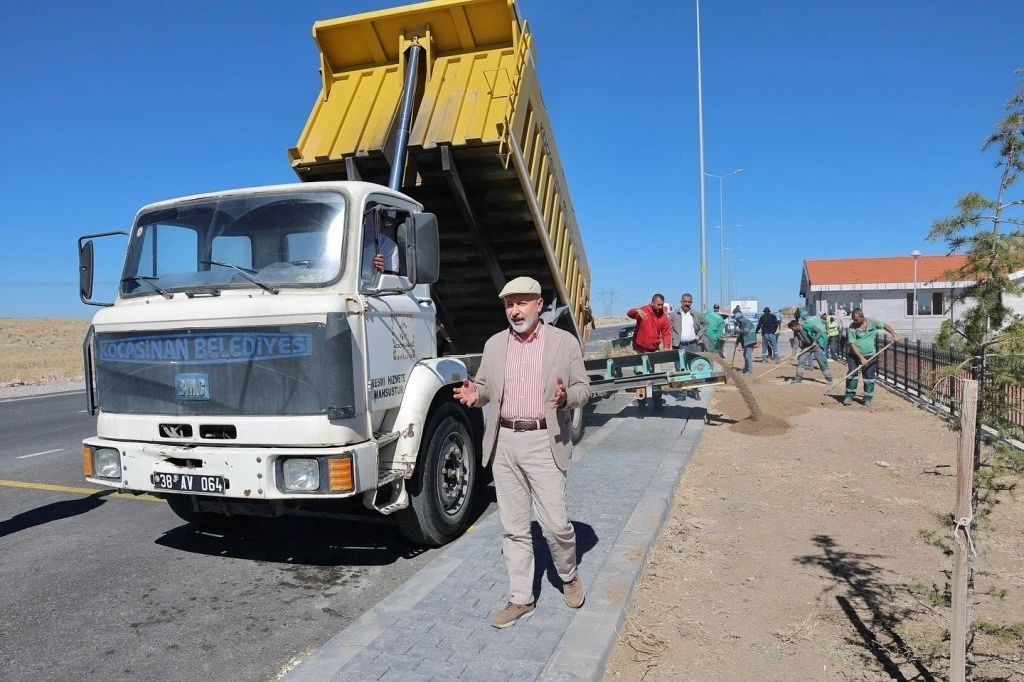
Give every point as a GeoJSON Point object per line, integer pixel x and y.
{"type": "Point", "coordinates": [85, 264]}
{"type": "Point", "coordinates": [424, 253]}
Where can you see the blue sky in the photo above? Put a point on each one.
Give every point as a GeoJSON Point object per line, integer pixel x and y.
{"type": "Point", "coordinates": [857, 124]}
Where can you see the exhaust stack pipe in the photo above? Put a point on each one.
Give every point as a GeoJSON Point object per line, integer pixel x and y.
{"type": "Point", "coordinates": [412, 63]}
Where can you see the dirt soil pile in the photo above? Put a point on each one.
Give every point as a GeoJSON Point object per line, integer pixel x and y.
{"type": "Point", "coordinates": [811, 554]}
{"type": "Point", "coordinates": [736, 378]}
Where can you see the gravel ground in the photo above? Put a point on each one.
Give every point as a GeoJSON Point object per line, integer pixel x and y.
{"type": "Point", "coordinates": [57, 385]}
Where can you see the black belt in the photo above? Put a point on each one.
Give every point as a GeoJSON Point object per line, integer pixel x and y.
{"type": "Point", "coordinates": [523, 424]}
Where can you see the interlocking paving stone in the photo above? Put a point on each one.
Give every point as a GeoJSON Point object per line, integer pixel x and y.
{"type": "Point", "coordinates": [436, 626]}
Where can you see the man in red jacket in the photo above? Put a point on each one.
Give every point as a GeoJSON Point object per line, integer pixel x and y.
{"type": "Point", "coordinates": [653, 327]}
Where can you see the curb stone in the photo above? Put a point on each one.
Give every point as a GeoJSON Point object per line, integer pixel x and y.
{"type": "Point", "coordinates": [587, 644]}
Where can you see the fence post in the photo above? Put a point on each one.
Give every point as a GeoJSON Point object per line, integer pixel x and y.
{"type": "Point", "coordinates": [949, 384]}
{"type": "Point", "coordinates": [934, 370]}
{"type": "Point", "coordinates": [905, 362]}
{"type": "Point", "coordinates": [962, 519]}
{"type": "Point", "coordinates": [917, 378]}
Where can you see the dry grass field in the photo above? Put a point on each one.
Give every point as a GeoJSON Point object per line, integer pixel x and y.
{"type": "Point", "coordinates": [603, 321]}
{"type": "Point", "coordinates": [35, 348]}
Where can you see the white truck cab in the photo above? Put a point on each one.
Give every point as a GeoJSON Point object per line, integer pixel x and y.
{"type": "Point", "coordinates": [255, 360]}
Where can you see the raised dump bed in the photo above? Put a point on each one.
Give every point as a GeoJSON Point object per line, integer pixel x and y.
{"type": "Point", "coordinates": [482, 156]}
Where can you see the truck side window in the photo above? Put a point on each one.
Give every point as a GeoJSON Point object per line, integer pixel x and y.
{"type": "Point", "coordinates": [380, 251]}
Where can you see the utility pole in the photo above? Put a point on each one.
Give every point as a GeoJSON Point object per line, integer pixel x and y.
{"type": "Point", "coordinates": [721, 232]}
{"type": "Point", "coordinates": [608, 297]}
{"type": "Point", "coordinates": [703, 224]}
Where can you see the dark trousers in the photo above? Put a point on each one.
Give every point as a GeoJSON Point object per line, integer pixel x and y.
{"type": "Point", "coordinates": [690, 346]}
{"type": "Point", "coordinates": [869, 372]}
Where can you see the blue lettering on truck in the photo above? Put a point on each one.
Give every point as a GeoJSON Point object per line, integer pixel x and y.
{"type": "Point", "coordinates": [206, 348]}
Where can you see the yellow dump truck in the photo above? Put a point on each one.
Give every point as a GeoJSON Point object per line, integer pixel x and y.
{"type": "Point", "coordinates": [259, 361]}
{"type": "Point", "coordinates": [452, 84]}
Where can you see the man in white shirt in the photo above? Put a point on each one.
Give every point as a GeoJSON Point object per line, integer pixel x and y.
{"type": "Point", "coordinates": [686, 326]}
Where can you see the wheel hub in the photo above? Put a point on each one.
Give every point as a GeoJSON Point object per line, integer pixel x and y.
{"type": "Point", "coordinates": [453, 475]}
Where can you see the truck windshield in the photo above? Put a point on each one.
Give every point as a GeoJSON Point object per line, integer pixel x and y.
{"type": "Point", "coordinates": [266, 241]}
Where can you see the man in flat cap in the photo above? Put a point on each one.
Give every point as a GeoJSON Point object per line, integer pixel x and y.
{"type": "Point", "coordinates": [533, 375]}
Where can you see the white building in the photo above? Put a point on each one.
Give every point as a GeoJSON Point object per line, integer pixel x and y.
{"type": "Point", "coordinates": [884, 289]}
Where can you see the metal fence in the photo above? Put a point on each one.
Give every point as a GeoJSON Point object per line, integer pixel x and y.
{"type": "Point", "coordinates": [914, 367]}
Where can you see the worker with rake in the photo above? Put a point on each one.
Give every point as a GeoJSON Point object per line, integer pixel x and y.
{"type": "Point", "coordinates": [862, 334]}
{"type": "Point", "coordinates": [810, 333]}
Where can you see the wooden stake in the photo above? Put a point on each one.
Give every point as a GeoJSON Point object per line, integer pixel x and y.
{"type": "Point", "coordinates": [962, 546]}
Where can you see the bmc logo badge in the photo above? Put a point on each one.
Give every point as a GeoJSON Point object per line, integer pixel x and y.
{"type": "Point", "coordinates": [192, 386]}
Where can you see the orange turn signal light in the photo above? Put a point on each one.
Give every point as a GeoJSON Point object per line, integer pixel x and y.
{"type": "Point", "coordinates": [339, 474]}
{"type": "Point", "coordinates": [87, 460]}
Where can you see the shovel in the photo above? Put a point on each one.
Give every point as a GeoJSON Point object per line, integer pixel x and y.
{"type": "Point", "coordinates": [790, 359]}
{"type": "Point", "coordinates": [874, 358]}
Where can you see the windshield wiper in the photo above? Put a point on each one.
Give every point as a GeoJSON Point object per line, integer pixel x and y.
{"type": "Point", "coordinates": [149, 281]}
{"type": "Point", "coordinates": [244, 272]}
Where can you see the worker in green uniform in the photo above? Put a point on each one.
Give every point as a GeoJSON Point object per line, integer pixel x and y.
{"type": "Point", "coordinates": [711, 332]}
{"type": "Point", "coordinates": [746, 335]}
{"type": "Point", "coordinates": [802, 316]}
{"type": "Point", "coordinates": [818, 334]}
{"type": "Point", "coordinates": [861, 335]}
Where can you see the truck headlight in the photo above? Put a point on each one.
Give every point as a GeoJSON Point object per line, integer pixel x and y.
{"type": "Point", "coordinates": [107, 463]}
{"type": "Point", "coordinates": [300, 474]}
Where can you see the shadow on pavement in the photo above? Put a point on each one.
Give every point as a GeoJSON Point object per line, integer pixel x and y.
{"type": "Point", "coordinates": [54, 511]}
{"type": "Point", "coordinates": [306, 541]}
{"type": "Point", "coordinates": [635, 411]}
{"type": "Point", "coordinates": [716, 418]}
{"type": "Point", "coordinates": [865, 585]}
{"type": "Point", "coordinates": [586, 540]}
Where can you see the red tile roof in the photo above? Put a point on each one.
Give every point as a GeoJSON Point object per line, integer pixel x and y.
{"type": "Point", "coordinates": [892, 270]}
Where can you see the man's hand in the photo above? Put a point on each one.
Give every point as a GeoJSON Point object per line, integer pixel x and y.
{"type": "Point", "coordinates": [466, 393]}
{"type": "Point", "coordinates": [641, 313]}
{"type": "Point", "coordinates": [558, 400]}
{"type": "Point", "coordinates": [378, 263]}
{"type": "Point", "coordinates": [895, 339]}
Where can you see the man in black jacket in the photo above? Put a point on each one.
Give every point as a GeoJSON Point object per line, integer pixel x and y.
{"type": "Point", "coordinates": [768, 326]}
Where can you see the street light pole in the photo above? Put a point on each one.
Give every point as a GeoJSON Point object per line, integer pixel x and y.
{"type": "Point", "coordinates": [721, 231]}
{"type": "Point", "coordinates": [700, 132]}
{"type": "Point", "coordinates": [730, 277]}
{"type": "Point", "coordinates": [913, 333]}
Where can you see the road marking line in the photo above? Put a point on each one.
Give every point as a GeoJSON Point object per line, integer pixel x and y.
{"type": "Point", "coordinates": [36, 454]}
{"type": "Point", "coordinates": [78, 491]}
{"type": "Point", "coordinates": [41, 395]}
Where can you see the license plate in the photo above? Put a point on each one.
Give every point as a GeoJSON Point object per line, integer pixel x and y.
{"type": "Point", "coordinates": [193, 483]}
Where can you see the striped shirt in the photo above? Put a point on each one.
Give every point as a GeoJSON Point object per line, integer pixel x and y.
{"type": "Point", "coordinates": [523, 396]}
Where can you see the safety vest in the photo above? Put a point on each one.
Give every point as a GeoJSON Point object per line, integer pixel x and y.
{"type": "Point", "coordinates": [832, 324]}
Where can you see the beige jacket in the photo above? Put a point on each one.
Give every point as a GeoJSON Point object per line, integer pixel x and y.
{"type": "Point", "coordinates": [562, 358]}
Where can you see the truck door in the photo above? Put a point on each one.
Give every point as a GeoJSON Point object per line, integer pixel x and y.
{"type": "Point", "coordinates": [399, 325]}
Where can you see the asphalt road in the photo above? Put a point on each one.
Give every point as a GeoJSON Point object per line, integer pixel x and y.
{"type": "Point", "coordinates": [600, 336]}
{"type": "Point", "coordinates": [105, 586]}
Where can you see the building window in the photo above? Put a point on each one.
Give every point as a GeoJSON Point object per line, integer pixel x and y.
{"type": "Point", "coordinates": [927, 304]}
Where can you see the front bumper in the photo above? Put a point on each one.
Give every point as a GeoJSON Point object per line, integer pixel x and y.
{"type": "Point", "coordinates": [250, 473]}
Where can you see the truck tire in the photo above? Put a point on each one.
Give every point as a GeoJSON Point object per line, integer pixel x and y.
{"type": "Point", "coordinates": [182, 506]}
{"type": "Point", "coordinates": [576, 423]}
{"type": "Point", "coordinates": [442, 489]}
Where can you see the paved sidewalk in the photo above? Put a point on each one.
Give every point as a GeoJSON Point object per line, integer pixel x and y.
{"type": "Point", "coordinates": [437, 625]}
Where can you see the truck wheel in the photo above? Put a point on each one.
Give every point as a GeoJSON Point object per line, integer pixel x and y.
{"type": "Point", "coordinates": [182, 506]}
{"type": "Point", "coordinates": [576, 424]}
{"type": "Point", "coordinates": [442, 488]}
